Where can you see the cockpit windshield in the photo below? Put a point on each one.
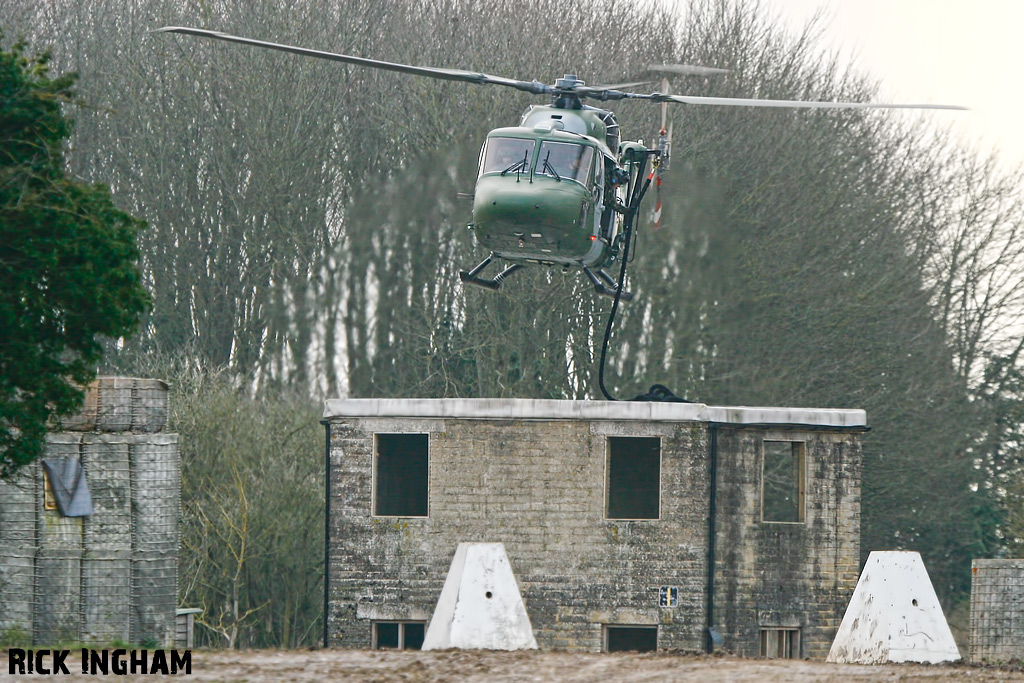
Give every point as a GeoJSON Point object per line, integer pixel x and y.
{"type": "Point", "coordinates": [507, 155]}
{"type": "Point", "coordinates": [566, 160]}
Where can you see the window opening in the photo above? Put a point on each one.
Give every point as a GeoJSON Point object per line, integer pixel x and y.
{"type": "Point", "coordinates": [634, 477]}
{"type": "Point", "coordinates": [400, 472]}
{"type": "Point", "coordinates": [780, 643]}
{"type": "Point", "coordinates": [782, 482]}
{"type": "Point", "coordinates": [398, 635]}
{"type": "Point", "coordinates": [506, 155]}
{"type": "Point", "coordinates": [630, 638]}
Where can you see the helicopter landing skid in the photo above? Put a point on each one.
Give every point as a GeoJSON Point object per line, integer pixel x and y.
{"type": "Point", "coordinates": [605, 285]}
{"type": "Point", "coordinates": [494, 284]}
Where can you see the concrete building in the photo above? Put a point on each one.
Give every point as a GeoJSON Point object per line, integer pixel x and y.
{"type": "Point", "coordinates": [627, 525]}
{"type": "Point", "coordinates": [109, 574]}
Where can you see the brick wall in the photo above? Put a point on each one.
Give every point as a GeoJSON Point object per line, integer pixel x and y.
{"type": "Point", "coordinates": [538, 486]}
{"type": "Point", "coordinates": [778, 575]}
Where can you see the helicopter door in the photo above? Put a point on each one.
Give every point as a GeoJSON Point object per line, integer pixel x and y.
{"type": "Point", "coordinates": [610, 192]}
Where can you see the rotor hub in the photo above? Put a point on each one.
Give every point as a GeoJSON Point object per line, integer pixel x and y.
{"type": "Point", "coordinates": [568, 82]}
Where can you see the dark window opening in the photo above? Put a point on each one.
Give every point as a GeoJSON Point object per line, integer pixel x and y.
{"type": "Point", "coordinates": [782, 482]}
{"type": "Point", "coordinates": [401, 470]}
{"type": "Point", "coordinates": [398, 635]}
{"type": "Point", "coordinates": [780, 643]}
{"type": "Point", "coordinates": [631, 638]}
{"type": "Point", "coordinates": [634, 477]}
{"type": "Point", "coordinates": [386, 636]}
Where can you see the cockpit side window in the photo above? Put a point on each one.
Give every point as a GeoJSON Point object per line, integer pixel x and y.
{"type": "Point", "coordinates": [512, 155]}
{"type": "Point", "coordinates": [566, 160]}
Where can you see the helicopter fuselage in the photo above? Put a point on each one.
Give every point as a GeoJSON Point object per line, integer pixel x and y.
{"type": "Point", "coordinates": [546, 188]}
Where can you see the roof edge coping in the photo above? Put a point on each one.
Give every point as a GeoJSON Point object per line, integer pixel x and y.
{"type": "Point", "coordinates": [552, 409]}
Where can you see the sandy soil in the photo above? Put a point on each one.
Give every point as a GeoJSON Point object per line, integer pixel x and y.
{"type": "Point", "coordinates": [266, 666]}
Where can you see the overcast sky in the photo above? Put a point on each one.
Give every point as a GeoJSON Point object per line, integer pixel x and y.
{"type": "Point", "coordinates": [966, 52]}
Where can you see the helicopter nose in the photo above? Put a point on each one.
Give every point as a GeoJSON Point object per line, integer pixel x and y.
{"type": "Point", "coordinates": [524, 204]}
{"type": "Point", "coordinates": [543, 217]}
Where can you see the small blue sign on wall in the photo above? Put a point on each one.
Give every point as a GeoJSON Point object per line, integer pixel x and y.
{"type": "Point", "coordinates": [668, 596]}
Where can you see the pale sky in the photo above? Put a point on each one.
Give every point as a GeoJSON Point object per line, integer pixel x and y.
{"type": "Point", "coordinates": [965, 52]}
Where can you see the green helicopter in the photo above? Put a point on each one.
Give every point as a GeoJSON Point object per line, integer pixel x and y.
{"type": "Point", "coordinates": [561, 188]}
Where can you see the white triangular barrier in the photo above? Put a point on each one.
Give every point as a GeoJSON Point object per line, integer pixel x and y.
{"type": "Point", "coordinates": [480, 607]}
{"type": "Point", "coordinates": [894, 616]}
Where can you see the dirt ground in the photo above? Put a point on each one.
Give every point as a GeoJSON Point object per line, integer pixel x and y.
{"type": "Point", "coordinates": [321, 666]}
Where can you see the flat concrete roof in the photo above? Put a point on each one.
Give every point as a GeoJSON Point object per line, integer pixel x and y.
{"type": "Point", "coordinates": [547, 409]}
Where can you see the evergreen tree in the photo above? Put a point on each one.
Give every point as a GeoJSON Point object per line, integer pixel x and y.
{"type": "Point", "coordinates": [68, 273]}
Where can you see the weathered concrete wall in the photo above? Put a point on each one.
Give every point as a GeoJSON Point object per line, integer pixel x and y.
{"type": "Point", "coordinates": [997, 610]}
{"type": "Point", "coordinates": [17, 554]}
{"type": "Point", "coordinates": [538, 486]}
{"type": "Point", "coordinates": [112, 575]}
{"type": "Point", "coordinates": [781, 575]}
{"type": "Point", "coordinates": [106, 564]}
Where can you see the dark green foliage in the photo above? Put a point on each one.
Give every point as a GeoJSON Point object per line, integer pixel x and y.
{"type": "Point", "coordinates": [68, 273]}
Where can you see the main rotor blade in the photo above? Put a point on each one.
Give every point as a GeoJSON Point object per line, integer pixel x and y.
{"type": "Point", "coordinates": [794, 104]}
{"type": "Point", "coordinates": [686, 69]}
{"type": "Point", "coordinates": [614, 86]}
{"type": "Point", "coordinates": [615, 92]}
{"type": "Point", "coordinates": [428, 71]}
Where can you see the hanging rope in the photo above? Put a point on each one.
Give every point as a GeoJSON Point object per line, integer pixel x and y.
{"type": "Point", "coordinates": [658, 392]}
{"type": "Point", "coordinates": [627, 236]}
